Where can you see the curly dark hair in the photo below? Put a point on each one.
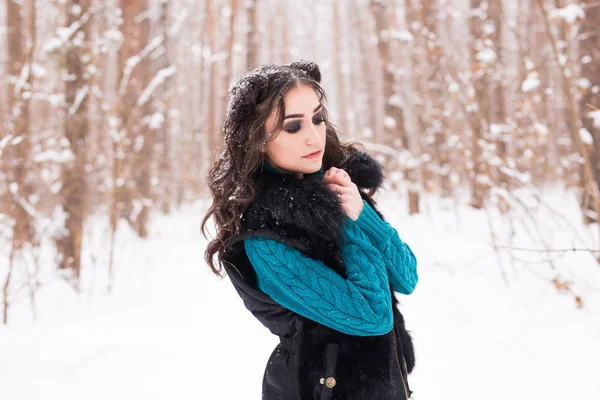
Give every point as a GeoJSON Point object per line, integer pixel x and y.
{"type": "Point", "coordinates": [232, 177]}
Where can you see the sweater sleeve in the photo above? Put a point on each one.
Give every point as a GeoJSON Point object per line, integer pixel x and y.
{"type": "Point", "coordinates": [400, 262]}
{"type": "Point", "coordinates": [359, 305]}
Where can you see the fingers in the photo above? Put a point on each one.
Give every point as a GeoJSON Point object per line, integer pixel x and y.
{"type": "Point", "coordinates": [338, 176]}
{"type": "Point", "coordinates": [342, 192]}
{"type": "Point", "coordinates": [335, 171]}
{"type": "Point", "coordinates": [337, 189]}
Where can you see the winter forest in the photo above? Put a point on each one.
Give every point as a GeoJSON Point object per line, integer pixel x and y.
{"type": "Point", "coordinates": [485, 114]}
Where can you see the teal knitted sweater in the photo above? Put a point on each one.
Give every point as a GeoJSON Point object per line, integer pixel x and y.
{"type": "Point", "coordinates": [360, 305]}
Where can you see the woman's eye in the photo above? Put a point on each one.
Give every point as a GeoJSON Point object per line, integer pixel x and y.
{"type": "Point", "coordinates": [317, 119]}
{"type": "Point", "coordinates": [293, 127]}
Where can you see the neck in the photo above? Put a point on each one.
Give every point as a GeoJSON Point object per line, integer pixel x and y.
{"type": "Point", "coordinates": [300, 175]}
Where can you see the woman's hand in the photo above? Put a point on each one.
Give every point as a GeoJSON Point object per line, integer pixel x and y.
{"type": "Point", "coordinates": [340, 183]}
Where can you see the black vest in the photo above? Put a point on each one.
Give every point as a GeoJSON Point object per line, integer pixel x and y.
{"type": "Point", "coordinates": [313, 361]}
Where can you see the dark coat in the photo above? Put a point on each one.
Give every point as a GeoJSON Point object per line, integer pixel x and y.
{"type": "Point", "coordinates": [312, 361]}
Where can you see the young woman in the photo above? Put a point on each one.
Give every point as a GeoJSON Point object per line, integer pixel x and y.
{"type": "Point", "coordinates": [304, 245]}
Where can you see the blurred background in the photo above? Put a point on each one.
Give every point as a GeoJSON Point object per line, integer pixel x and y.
{"type": "Point", "coordinates": [484, 113]}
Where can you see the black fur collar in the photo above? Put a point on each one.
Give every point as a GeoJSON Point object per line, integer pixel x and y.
{"type": "Point", "coordinates": [306, 210]}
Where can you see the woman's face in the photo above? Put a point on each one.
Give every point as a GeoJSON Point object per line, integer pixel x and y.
{"type": "Point", "coordinates": [303, 133]}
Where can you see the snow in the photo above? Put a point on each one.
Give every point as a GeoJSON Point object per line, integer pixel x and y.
{"type": "Point", "coordinates": [531, 82]}
{"type": "Point", "coordinates": [529, 64]}
{"type": "Point", "coordinates": [171, 330]}
{"type": "Point", "coordinates": [13, 188]}
{"type": "Point", "coordinates": [63, 34]}
{"type": "Point", "coordinates": [158, 80]}
{"type": "Point", "coordinates": [404, 36]}
{"type": "Point", "coordinates": [521, 177]}
{"type": "Point", "coordinates": [541, 129]}
{"type": "Point", "coordinates": [76, 10]}
{"type": "Point", "coordinates": [134, 60]}
{"type": "Point", "coordinates": [487, 56]}
{"type": "Point", "coordinates": [138, 144]}
{"type": "Point", "coordinates": [155, 120]}
{"type": "Point", "coordinates": [570, 14]}
{"type": "Point", "coordinates": [389, 122]}
{"type": "Point", "coordinates": [595, 115]}
{"type": "Point", "coordinates": [586, 136]}
{"type": "Point", "coordinates": [38, 70]}
{"type": "Point", "coordinates": [23, 77]}
{"type": "Point", "coordinates": [395, 101]}
{"type": "Point", "coordinates": [496, 130]}
{"type": "Point", "coordinates": [584, 83]}
{"type": "Point", "coordinates": [81, 93]}
{"type": "Point", "coordinates": [52, 45]}
{"type": "Point", "coordinates": [453, 86]}
{"type": "Point", "coordinates": [17, 140]}
{"type": "Point", "coordinates": [63, 156]}
{"type": "Point", "coordinates": [175, 28]}
{"type": "Point", "coordinates": [114, 35]}
{"type": "Point", "coordinates": [489, 28]}
{"type": "Point", "coordinates": [562, 59]}
{"type": "Point", "coordinates": [4, 142]}
{"type": "Point", "coordinates": [56, 99]}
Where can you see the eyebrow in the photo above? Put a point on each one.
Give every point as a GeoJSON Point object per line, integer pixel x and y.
{"type": "Point", "coordinates": [302, 115]}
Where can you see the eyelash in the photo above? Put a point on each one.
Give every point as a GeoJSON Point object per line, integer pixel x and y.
{"type": "Point", "coordinates": [295, 127]}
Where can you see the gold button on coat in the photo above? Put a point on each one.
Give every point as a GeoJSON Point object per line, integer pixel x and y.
{"type": "Point", "coordinates": [330, 382]}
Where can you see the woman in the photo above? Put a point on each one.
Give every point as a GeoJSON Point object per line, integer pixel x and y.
{"type": "Point", "coordinates": [303, 244]}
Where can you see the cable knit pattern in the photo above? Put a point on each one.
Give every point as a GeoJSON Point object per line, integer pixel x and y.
{"type": "Point", "coordinates": [400, 262]}
{"type": "Point", "coordinates": [359, 305]}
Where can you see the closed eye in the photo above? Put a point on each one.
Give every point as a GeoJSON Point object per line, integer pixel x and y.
{"type": "Point", "coordinates": [293, 127]}
{"type": "Point", "coordinates": [318, 119]}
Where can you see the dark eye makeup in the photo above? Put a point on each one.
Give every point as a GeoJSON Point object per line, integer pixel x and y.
{"type": "Point", "coordinates": [292, 127]}
{"type": "Point", "coordinates": [295, 126]}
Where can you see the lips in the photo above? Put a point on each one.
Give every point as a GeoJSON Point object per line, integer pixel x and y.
{"type": "Point", "coordinates": [312, 155]}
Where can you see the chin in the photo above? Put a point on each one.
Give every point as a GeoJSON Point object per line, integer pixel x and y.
{"type": "Point", "coordinates": [314, 166]}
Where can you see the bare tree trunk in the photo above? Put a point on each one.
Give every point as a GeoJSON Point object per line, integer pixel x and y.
{"type": "Point", "coordinates": [434, 98]}
{"type": "Point", "coordinates": [163, 106]}
{"type": "Point", "coordinates": [367, 72]}
{"type": "Point", "coordinates": [413, 23]}
{"type": "Point", "coordinates": [229, 47]}
{"type": "Point", "coordinates": [477, 117]}
{"type": "Point", "coordinates": [285, 31]}
{"type": "Point", "coordinates": [498, 113]}
{"type": "Point", "coordinates": [590, 71]}
{"type": "Point", "coordinates": [340, 69]}
{"type": "Point", "coordinates": [135, 195]}
{"type": "Point", "coordinates": [210, 103]}
{"type": "Point", "coordinates": [591, 192]}
{"type": "Point", "coordinates": [196, 137]}
{"type": "Point", "coordinates": [270, 35]}
{"type": "Point", "coordinates": [253, 36]}
{"type": "Point", "coordinates": [142, 162]}
{"type": "Point", "coordinates": [73, 192]}
{"type": "Point", "coordinates": [20, 35]}
{"type": "Point", "coordinates": [393, 113]}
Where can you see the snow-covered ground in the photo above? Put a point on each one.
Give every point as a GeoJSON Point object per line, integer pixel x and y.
{"type": "Point", "coordinates": [171, 330]}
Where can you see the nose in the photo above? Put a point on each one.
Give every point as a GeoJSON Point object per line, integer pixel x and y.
{"type": "Point", "coordinates": [312, 135]}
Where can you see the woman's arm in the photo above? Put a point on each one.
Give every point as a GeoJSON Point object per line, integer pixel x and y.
{"type": "Point", "coordinates": [359, 305]}
{"type": "Point", "coordinates": [399, 259]}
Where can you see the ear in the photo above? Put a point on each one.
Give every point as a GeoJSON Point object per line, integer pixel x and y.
{"type": "Point", "coordinates": [308, 67]}
{"type": "Point", "coordinates": [248, 90]}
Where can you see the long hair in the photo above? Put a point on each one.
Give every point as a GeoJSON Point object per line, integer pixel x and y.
{"type": "Point", "coordinates": [232, 177]}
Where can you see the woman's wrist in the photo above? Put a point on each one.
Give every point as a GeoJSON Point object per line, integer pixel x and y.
{"type": "Point", "coordinates": [370, 222]}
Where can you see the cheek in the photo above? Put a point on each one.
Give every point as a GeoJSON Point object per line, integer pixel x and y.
{"type": "Point", "coordinates": [280, 147]}
{"type": "Point", "coordinates": [323, 130]}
